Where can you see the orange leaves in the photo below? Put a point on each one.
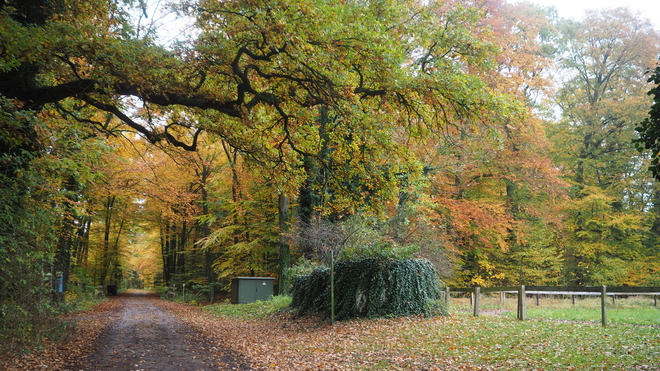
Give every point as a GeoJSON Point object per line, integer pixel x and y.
{"type": "Point", "coordinates": [475, 217]}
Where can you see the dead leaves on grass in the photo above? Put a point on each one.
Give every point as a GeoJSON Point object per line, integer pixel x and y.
{"type": "Point", "coordinates": [447, 343]}
{"type": "Point", "coordinates": [287, 344]}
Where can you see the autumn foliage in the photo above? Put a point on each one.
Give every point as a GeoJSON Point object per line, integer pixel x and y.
{"type": "Point", "coordinates": [492, 139]}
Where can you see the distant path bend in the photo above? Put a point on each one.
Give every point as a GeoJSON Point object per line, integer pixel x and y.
{"type": "Point", "coordinates": [143, 336]}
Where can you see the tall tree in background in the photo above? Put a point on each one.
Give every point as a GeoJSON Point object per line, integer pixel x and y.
{"type": "Point", "coordinates": [604, 60]}
{"type": "Point", "coordinates": [494, 190]}
{"type": "Point", "coordinates": [526, 34]}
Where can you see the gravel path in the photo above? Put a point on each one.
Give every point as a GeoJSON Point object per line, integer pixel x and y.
{"type": "Point", "coordinates": [143, 336]}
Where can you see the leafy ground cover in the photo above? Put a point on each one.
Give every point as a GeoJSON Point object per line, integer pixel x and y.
{"type": "Point", "coordinates": [459, 341]}
{"type": "Point", "coordinates": [267, 338]}
{"type": "Point", "coordinates": [56, 355]}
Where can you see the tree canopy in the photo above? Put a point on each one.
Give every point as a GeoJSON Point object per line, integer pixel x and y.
{"type": "Point", "coordinates": [649, 129]}
{"type": "Point", "coordinates": [493, 139]}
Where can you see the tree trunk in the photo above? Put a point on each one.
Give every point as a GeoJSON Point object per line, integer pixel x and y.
{"type": "Point", "coordinates": [164, 252]}
{"type": "Point", "coordinates": [205, 231]}
{"type": "Point", "coordinates": [171, 249]}
{"type": "Point", "coordinates": [285, 252]}
{"type": "Point", "coordinates": [181, 251]}
{"type": "Point", "coordinates": [105, 252]}
{"type": "Point", "coordinates": [82, 241]}
{"type": "Point", "coordinates": [114, 255]}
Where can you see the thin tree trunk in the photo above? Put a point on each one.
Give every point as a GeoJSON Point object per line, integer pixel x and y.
{"type": "Point", "coordinates": [106, 239]}
{"type": "Point", "coordinates": [181, 253]}
{"type": "Point", "coordinates": [172, 248]}
{"type": "Point", "coordinates": [64, 247]}
{"type": "Point", "coordinates": [205, 231]}
{"type": "Point", "coordinates": [82, 241]}
{"type": "Point", "coordinates": [285, 252]}
{"type": "Point", "coordinates": [114, 254]}
{"type": "Point", "coordinates": [236, 194]}
{"type": "Point", "coordinates": [164, 246]}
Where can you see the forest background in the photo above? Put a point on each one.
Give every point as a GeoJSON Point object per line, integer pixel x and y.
{"type": "Point", "coordinates": [496, 140]}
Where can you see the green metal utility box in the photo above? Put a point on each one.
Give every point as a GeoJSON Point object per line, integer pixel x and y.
{"type": "Point", "coordinates": [250, 289]}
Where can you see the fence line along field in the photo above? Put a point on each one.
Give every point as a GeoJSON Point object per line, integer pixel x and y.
{"type": "Point", "coordinates": [627, 305]}
{"type": "Point", "coordinates": [458, 341]}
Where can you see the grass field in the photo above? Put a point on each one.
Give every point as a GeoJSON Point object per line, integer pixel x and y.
{"type": "Point", "coordinates": [460, 341]}
{"type": "Point", "coordinates": [633, 310]}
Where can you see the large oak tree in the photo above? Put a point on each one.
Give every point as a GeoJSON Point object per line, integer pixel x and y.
{"type": "Point", "coordinates": [257, 74]}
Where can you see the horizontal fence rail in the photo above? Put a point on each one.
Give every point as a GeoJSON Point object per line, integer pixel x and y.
{"type": "Point", "coordinates": [522, 292]}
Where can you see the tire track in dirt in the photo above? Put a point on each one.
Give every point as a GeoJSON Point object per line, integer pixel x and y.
{"type": "Point", "coordinates": [144, 336]}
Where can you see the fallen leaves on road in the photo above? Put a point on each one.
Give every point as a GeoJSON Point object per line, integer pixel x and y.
{"type": "Point", "coordinates": [278, 343]}
{"type": "Point", "coordinates": [56, 355]}
{"type": "Point", "coordinates": [288, 343]}
{"type": "Point", "coordinates": [282, 342]}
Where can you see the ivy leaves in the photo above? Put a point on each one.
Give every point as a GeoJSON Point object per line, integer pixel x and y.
{"type": "Point", "coordinates": [369, 288]}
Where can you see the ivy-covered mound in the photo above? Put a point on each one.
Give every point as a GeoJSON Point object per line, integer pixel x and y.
{"type": "Point", "coordinates": [369, 288]}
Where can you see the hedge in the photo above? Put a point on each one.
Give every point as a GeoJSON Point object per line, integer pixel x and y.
{"type": "Point", "coordinates": [369, 288]}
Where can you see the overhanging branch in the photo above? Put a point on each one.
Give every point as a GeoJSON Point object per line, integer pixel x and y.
{"type": "Point", "coordinates": [149, 134]}
{"type": "Point", "coordinates": [171, 139]}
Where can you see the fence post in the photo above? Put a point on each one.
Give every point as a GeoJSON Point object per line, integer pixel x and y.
{"type": "Point", "coordinates": [447, 297]}
{"type": "Point", "coordinates": [521, 303]}
{"type": "Point", "coordinates": [477, 296]}
{"type": "Point", "coordinates": [603, 308]}
{"type": "Point", "coordinates": [655, 300]}
{"type": "Point", "coordinates": [573, 299]}
{"type": "Point", "coordinates": [537, 300]}
{"type": "Point", "coordinates": [502, 297]}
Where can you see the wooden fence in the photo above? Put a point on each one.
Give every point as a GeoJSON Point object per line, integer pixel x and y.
{"type": "Point", "coordinates": [171, 292]}
{"type": "Point", "coordinates": [99, 292]}
{"type": "Point", "coordinates": [523, 291]}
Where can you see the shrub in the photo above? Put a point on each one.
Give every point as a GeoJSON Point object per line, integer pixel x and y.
{"type": "Point", "coordinates": [311, 293]}
{"type": "Point", "coordinates": [369, 288]}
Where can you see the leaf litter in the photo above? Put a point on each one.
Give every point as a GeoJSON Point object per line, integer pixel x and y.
{"type": "Point", "coordinates": [285, 342]}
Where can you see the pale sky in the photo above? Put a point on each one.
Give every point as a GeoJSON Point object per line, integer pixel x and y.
{"type": "Point", "coordinates": [575, 8]}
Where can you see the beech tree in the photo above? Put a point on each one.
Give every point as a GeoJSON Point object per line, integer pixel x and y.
{"type": "Point", "coordinates": [605, 59]}
{"type": "Point", "coordinates": [259, 72]}
{"type": "Point", "coordinates": [494, 190]}
{"type": "Point", "coordinates": [260, 65]}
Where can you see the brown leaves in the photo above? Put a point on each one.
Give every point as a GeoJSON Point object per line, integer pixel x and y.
{"type": "Point", "coordinates": [58, 355]}
{"type": "Point", "coordinates": [307, 344]}
{"type": "Point", "coordinates": [410, 343]}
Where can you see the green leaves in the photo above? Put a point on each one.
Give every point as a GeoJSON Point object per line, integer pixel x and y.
{"type": "Point", "coordinates": [649, 128]}
{"type": "Point", "coordinates": [369, 288]}
{"type": "Point", "coordinates": [384, 71]}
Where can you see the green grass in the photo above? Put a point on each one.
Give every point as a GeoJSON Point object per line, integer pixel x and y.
{"type": "Point", "coordinates": [466, 342]}
{"type": "Point", "coordinates": [250, 311]}
{"type": "Point", "coordinates": [645, 316]}
{"type": "Point", "coordinates": [505, 343]}
{"type": "Point", "coordinates": [632, 311]}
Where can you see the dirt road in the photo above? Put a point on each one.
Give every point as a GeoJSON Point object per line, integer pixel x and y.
{"type": "Point", "coordinates": [143, 336]}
